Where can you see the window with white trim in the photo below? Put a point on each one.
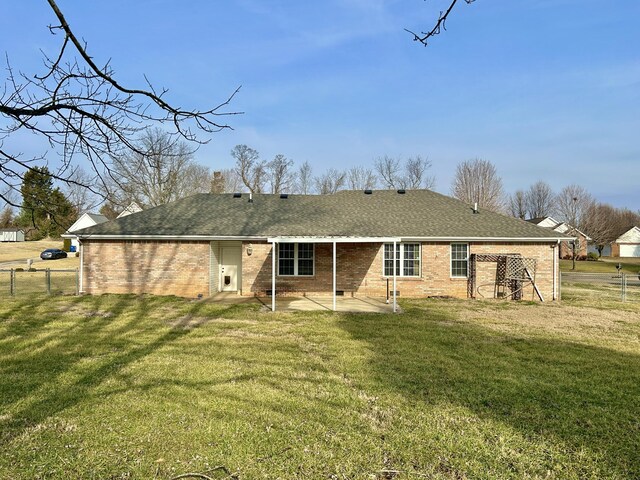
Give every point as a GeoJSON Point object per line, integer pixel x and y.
{"type": "Point", "coordinates": [407, 259]}
{"type": "Point", "coordinates": [295, 259]}
{"type": "Point", "coordinates": [459, 259]}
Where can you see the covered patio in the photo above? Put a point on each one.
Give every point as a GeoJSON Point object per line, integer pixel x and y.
{"type": "Point", "coordinates": [333, 241]}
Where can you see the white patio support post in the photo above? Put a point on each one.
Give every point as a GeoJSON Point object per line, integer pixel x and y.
{"type": "Point", "coordinates": [273, 276]}
{"type": "Point", "coordinates": [334, 276]}
{"type": "Point", "coordinates": [395, 259]}
{"type": "Point", "coordinates": [80, 283]}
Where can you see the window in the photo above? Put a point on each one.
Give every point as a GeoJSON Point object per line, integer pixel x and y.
{"type": "Point", "coordinates": [295, 259]}
{"type": "Point", "coordinates": [407, 259]}
{"type": "Point", "coordinates": [459, 259]}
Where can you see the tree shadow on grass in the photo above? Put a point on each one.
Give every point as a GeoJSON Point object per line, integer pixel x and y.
{"type": "Point", "coordinates": [582, 396]}
{"type": "Point", "coordinates": [112, 333]}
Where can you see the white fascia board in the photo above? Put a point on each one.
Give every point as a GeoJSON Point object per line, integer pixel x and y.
{"type": "Point", "coordinates": [89, 236]}
{"type": "Point", "coordinates": [314, 239]}
{"type": "Point", "coordinates": [486, 239]}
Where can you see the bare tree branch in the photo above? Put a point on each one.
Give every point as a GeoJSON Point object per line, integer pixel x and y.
{"type": "Point", "coordinates": [86, 116]}
{"type": "Point", "coordinates": [440, 25]}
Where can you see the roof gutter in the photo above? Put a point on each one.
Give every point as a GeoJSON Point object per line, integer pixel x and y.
{"type": "Point", "coordinates": [88, 236]}
{"type": "Point", "coordinates": [317, 238]}
{"type": "Point", "coordinates": [488, 239]}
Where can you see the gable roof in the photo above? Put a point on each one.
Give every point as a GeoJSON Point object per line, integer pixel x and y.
{"type": "Point", "coordinates": [133, 207]}
{"type": "Point", "coordinates": [629, 234]}
{"type": "Point", "coordinates": [553, 224]}
{"type": "Point", "coordinates": [385, 213]}
{"type": "Point", "coordinates": [95, 218]}
{"type": "Point", "coordinates": [549, 221]}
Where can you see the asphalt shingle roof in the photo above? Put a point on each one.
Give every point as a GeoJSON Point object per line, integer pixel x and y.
{"type": "Point", "coordinates": [384, 213]}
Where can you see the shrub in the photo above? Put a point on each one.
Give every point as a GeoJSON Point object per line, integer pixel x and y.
{"type": "Point", "coordinates": [19, 269]}
{"type": "Point", "coordinates": [592, 257]}
{"type": "Point", "coordinates": [66, 245]}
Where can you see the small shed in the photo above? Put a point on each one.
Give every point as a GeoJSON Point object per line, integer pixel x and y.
{"type": "Point", "coordinates": [11, 235]}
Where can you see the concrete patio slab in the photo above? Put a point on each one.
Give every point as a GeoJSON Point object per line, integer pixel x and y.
{"type": "Point", "coordinates": [316, 303]}
{"type": "Point", "coordinates": [310, 304]}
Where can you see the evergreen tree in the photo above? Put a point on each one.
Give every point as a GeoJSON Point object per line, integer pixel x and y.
{"type": "Point", "coordinates": [46, 212]}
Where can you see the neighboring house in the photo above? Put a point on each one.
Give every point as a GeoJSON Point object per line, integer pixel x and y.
{"type": "Point", "coordinates": [341, 244]}
{"type": "Point", "coordinates": [627, 244]}
{"type": "Point", "coordinates": [566, 246]}
{"type": "Point", "coordinates": [11, 235]}
{"type": "Point", "coordinates": [84, 221]}
{"type": "Point", "coordinates": [132, 208]}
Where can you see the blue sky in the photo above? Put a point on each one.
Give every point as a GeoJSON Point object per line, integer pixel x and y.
{"type": "Point", "coordinates": [545, 89]}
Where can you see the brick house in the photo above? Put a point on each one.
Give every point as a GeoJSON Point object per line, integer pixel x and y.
{"type": "Point", "coordinates": [627, 244]}
{"type": "Point", "coordinates": [341, 244]}
{"type": "Point", "coordinates": [565, 250]}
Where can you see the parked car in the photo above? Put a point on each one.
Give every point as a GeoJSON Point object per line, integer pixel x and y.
{"type": "Point", "coordinates": [52, 254]}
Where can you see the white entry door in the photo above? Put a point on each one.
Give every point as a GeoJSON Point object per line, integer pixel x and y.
{"type": "Point", "coordinates": [230, 267]}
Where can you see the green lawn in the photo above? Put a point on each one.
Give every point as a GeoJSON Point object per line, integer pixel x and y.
{"type": "Point", "coordinates": [601, 266]}
{"type": "Point", "coordinates": [149, 387]}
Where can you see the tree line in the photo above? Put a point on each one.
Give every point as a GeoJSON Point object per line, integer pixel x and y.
{"type": "Point", "coordinates": [478, 181]}
{"type": "Point", "coordinates": [162, 168]}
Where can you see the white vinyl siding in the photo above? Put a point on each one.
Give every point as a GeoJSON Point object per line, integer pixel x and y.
{"type": "Point", "coordinates": [296, 259]}
{"type": "Point", "coordinates": [407, 260]}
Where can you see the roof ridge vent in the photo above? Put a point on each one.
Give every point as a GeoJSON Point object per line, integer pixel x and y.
{"type": "Point", "coordinates": [284, 195]}
{"type": "Point", "coordinates": [402, 191]}
{"type": "Point", "coordinates": [368, 191]}
{"type": "Point", "coordinates": [237, 195]}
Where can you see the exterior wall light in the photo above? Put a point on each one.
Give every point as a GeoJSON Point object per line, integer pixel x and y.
{"type": "Point", "coordinates": [249, 249]}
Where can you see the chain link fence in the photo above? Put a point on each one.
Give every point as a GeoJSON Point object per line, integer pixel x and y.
{"type": "Point", "coordinates": [16, 281]}
{"type": "Point", "coordinates": [622, 287]}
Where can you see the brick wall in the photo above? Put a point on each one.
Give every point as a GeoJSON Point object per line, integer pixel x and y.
{"type": "Point", "coordinates": [359, 271]}
{"type": "Point", "coordinates": [566, 249]}
{"type": "Point", "coordinates": [156, 267]}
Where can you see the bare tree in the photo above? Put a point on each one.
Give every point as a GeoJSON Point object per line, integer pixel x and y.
{"type": "Point", "coordinates": [82, 199]}
{"type": "Point", "coordinates": [604, 223]}
{"type": "Point", "coordinates": [440, 25]}
{"type": "Point", "coordinates": [330, 182]}
{"type": "Point", "coordinates": [572, 204]}
{"type": "Point", "coordinates": [389, 171]}
{"type": "Point", "coordinates": [600, 226]}
{"type": "Point", "coordinates": [7, 213]}
{"type": "Point", "coordinates": [226, 181]}
{"type": "Point", "coordinates": [539, 200]}
{"type": "Point", "coordinates": [305, 179]}
{"type": "Point", "coordinates": [162, 172]}
{"type": "Point", "coordinates": [517, 205]}
{"type": "Point", "coordinates": [478, 181]}
{"type": "Point", "coordinates": [412, 173]}
{"type": "Point", "coordinates": [85, 114]}
{"type": "Point", "coordinates": [279, 174]}
{"type": "Point", "coordinates": [361, 178]}
{"type": "Point", "coordinates": [249, 167]}
{"type": "Point", "coordinates": [415, 175]}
